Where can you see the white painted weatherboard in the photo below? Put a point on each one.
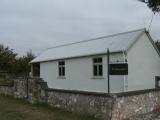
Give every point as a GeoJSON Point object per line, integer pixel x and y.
{"type": "Point", "coordinates": [79, 75]}
{"type": "Point", "coordinates": [144, 65]}
{"type": "Point", "coordinates": [143, 62]}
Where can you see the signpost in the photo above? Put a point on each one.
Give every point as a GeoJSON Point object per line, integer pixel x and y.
{"type": "Point", "coordinates": [115, 69]}
{"type": "Point", "coordinates": [108, 71]}
{"type": "Point", "coordinates": [118, 69]}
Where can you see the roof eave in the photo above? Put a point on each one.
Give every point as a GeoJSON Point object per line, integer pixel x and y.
{"type": "Point", "coordinates": [127, 49]}
{"type": "Point", "coordinates": [152, 41]}
{"type": "Point", "coordinates": [96, 54]}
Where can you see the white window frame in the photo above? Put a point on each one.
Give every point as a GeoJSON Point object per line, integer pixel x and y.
{"type": "Point", "coordinates": [61, 69]}
{"type": "Point", "coordinates": [98, 64]}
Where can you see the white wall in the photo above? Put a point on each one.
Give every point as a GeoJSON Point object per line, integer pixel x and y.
{"type": "Point", "coordinates": [143, 62]}
{"type": "Point", "coordinates": [79, 75]}
{"type": "Point", "coordinates": [144, 65]}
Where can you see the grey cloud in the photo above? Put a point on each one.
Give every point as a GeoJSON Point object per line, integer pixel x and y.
{"type": "Point", "coordinates": [39, 24]}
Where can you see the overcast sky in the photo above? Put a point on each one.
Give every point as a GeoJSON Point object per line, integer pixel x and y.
{"type": "Point", "coordinates": [39, 24]}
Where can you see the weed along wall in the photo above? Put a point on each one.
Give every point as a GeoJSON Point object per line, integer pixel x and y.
{"type": "Point", "coordinates": [114, 107]}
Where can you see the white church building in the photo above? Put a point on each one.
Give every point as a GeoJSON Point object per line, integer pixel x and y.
{"type": "Point", "coordinates": [82, 66]}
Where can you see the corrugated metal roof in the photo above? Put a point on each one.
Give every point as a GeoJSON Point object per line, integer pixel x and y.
{"type": "Point", "coordinates": [116, 43]}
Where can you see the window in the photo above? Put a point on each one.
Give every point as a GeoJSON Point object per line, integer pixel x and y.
{"type": "Point", "coordinates": [97, 67]}
{"type": "Point", "coordinates": [61, 67]}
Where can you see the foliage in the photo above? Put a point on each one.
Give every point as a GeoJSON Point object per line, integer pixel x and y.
{"type": "Point", "coordinates": [9, 62]}
{"type": "Point", "coordinates": [154, 5]}
{"type": "Point", "coordinates": [22, 66]}
{"type": "Point", "coordinates": [158, 44]}
{"type": "Point", "coordinates": [7, 59]}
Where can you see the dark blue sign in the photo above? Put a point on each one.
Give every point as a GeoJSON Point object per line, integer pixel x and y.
{"type": "Point", "coordinates": [118, 69]}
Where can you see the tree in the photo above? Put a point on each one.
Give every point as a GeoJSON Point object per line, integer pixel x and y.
{"type": "Point", "coordinates": [158, 45]}
{"type": "Point", "coordinates": [7, 59]}
{"type": "Point", "coordinates": [154, 5]}
{"type": "Point", "coordinates": [22, 66]}
{"type": "Point", "coordinates": [10, 63]}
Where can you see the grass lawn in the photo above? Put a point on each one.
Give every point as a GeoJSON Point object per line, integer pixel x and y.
{"type": "Point", "coordinates": [16, 109]}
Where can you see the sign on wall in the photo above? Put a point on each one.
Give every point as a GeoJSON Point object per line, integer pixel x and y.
{"type": "Point", "coordinates": [119, 69]}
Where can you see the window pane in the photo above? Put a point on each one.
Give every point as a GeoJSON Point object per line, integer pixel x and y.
{"type": "Point", "coordinates": [99, 60]}
{"type": "Point", "coordinates": [61, 68]}
{"type": "Point", "coordinates": [63, 71]}
{"type": "Point", "coordinates": [61, 63]}
{"type": "Point", "coordinates": [60, 71]}
{"type": "Point", "coordinates": [100, 70]}
{"type": "Point", "coordinates": [95, 70]}
{"type": "Point", "coordinates": [95, 60]}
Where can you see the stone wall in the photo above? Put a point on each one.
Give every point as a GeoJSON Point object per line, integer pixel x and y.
{"type": "Point", "coordinates": [132, 104]}
{"type": "Point", "coordinates": [20, 88]}
{"type": "Point", "coordinates": [94, 104]}
{"type": "Point", "coordinates": [17, 88]}
{"type": "Point", "coordinates": [6, 90]}
{"type": "Point", "coordinates": [37, 90]}
{"type": "Point", "coordinates": [114, 107]}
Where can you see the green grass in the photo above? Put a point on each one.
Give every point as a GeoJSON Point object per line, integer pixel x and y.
{"type": "Point", "coordinates": [17, 109]}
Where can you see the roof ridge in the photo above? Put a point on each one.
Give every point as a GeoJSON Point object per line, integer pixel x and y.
{"type": "Point", "coordinates": [97, 38]}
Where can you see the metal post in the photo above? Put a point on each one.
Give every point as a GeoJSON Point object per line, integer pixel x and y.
{"type": "Point", "coordinates": [108, 71]}
{"type": "Point", "coordinates": [124, 80]}
{"type": "Point", "coordinates": [31, 70]}
{"type": "Point", "coordinates": [27, 88]}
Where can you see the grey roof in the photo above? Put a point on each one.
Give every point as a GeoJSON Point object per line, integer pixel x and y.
{"type": "Point", "coordinates": [116, 43]}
